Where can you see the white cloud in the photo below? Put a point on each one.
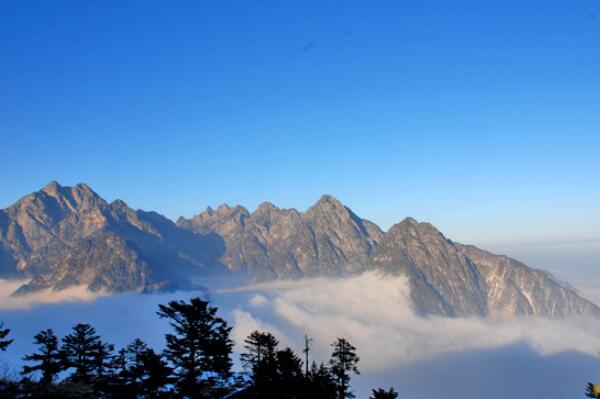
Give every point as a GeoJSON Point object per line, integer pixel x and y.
{"type": "Point", "coordinates": [396, 347]}
{"type": "Point", "coordinates": [27, 301]}
{"type": "Point", "coordinates": [374, 313]}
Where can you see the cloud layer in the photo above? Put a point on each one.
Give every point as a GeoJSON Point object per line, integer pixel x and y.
{"type": "Point", "coordinates": [375, 314]}
{"type": "Point", "coordinates": [373, 311]}
{"type": "Point", "coordinates": [11, 302]}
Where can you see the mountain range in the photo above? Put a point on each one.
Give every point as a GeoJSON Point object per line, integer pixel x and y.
{"type": "Point", "coordinates": [66, 236]}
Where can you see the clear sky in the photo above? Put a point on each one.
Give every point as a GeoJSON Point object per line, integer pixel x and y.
{"type": "Point", "coordinates": [482, 117]}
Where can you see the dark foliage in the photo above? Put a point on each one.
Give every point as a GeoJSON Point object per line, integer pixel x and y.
{"type": "Point", "coordinates": [343, 362]}
{"type": "Point", "coordinates": [381, 393]}
{"type": "Point", "coordinates": [196, 363]}
{"type": "Point", "coordinates": [321, 383]}
{"type": "Point", "coordinates": [80, 349]}
{"type": "Point", "coordinates": [199, 349]}
{"type": "Point", "coordinates": [154, 374]}
{"type": "Point", "coordinates": [48, 361]}
{"type": "Point", "coordinates": [4, 343]}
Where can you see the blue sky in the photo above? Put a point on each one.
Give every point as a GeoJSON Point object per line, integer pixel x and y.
{"type": "Point", "coordinates": [481, 117]}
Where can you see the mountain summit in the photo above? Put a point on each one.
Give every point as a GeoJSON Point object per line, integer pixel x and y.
{"type": "Point", "coordinates": [327, 240]}
{"type": "Point", "coordinates": [64, 236]}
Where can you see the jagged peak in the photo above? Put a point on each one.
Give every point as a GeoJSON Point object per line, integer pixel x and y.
{"type": "Point", "coordinates": [82, 186]}
{"type": "Point", "coordinates": [53, 186]}
{"type": "Point", "coordinates": [84, 189]}
{"type": "Point", "coordinates": [410, 221]}
{"type": "Point", "coordinates": [328, 202]}
{"type": "Point", "coordinates": [329, 199]}
{"type": "Point", "coordinates": [54, 189]}
{"type": "Point", "coordinates": [225, 209]}
{"type": "Point", "coordinates": [119, 203]}
{"type": "Point", "coordinates": [410, 227]}
{"type": "Point", "coordinates": [266, 207]}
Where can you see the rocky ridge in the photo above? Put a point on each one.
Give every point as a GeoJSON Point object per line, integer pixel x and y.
{"type": "Point", "coordinates": [64, 236]}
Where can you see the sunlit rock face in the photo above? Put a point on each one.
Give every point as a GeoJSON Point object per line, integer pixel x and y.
{"type": "Point", "coordinates": [61, 237]}
{"type": "Point", "coordinates": [65, 236]}
{"type": "Point", "coordinates": [446, 278]}
{"type": "Point", "coordinates": [327, 240]}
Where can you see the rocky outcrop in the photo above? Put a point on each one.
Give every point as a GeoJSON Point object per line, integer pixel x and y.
{"type": "Point", "coordinates": [328, 239]}
{"type": "Point", "coordinates": [446, 278]}
{"type": "Point", "coordinates": [443, 280]}
{"type": "Point", "coordinates": [64, 236]}
{"type": "Point", "coordinates": [513, 288]}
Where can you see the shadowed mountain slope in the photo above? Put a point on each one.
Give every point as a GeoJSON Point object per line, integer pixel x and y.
{"type": "Point", "coordinates": [64, 236]}
{"type": "Point", "coordinates": [446, 278]}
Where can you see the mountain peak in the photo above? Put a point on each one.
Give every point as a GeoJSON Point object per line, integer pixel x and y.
{"type": "Point", "coordinates": [409, 221]}
{"type": "Point", "coordinates": [266, 207]}
{"type": "Point", "coordinates": [52, 188]}
{"type": "Point", "coordinates": [327, 198]}
{"type": "Point", "coordinates": [83, 187]}
{"type": "Point", "coordinates": [224, 208]}
{"type": "Point", "coordinates": [411, 227]}
{"type": "Point", "coordinates": [119, 204]}
{"type": "Point", "coordinates": [327, 203]}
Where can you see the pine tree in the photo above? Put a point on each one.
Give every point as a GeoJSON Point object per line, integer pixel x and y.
{"type": "Point", "coordinates": [119, 384]}
{"type": "Point", "coordinates": [290, 379]}
{"type": "Point", "coordinates": [343, 362]}
{"type": "Point", "coordinates": [321, 383]}
{"type": "Point", "coordinates": [261, 347]}
{"type": "Point", "coordinates": [200, 348]}
{"type": "Point", "coordinates": [260, 359]}
{"type": "Point", "coordinates": [3, 333]}
{"type": "Point", "coordinates": [79, 349]}
{"type": "Point", "coordinates": [120, 365]}
{"type": "Point", "coordinates": [289, 365]}
{"type": "Point", "coordinates": [381, 393]}
{"type": "Point", "coordinates": [135, 367]}
{"type": "Point", "coordinates": [156, 373]}
{"type": "Point", "coordinates": [48, 360]}
{"type": "Point", "coordinates": [102, 361]}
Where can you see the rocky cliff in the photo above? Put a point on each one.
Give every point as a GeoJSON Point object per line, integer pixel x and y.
{"type": "Point", "coordinates": [64, 236]}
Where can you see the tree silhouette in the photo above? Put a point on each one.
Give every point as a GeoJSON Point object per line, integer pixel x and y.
{"type": "Point", "coordinates": [321, 383]}
{"type": "Point", "coordinates": [120, 366]}
{"type": "Point", "coordinates": [3, 333]}
{"type": "Point", "coordinates": [196, 364]}
{"type": "Point", "coordinates": [261, 350]}
{"type": "Point", "coordinates": [200, 348]}
{"type": "Point", "coordinates": [102, 361]}
{"type": "Point", "coordinates": [79, 349]}
{"type": "Point", "coordinates": [48, 360]}
{"type": "Point", "coordinates": [290, 379]}
{"type": "Point", "coordinates": [156, 373]}
{"type": "Point", "coordinates": [383, 394]}
{"type": "Point", "coordinates": [343, 362]}
{"type": "Point", "coordinates": [134, 361]}
{"type": "Point", "coordinates": [260, 359]}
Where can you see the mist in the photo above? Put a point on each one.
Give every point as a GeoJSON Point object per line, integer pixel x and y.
{"type": "Point", "coordinates": [419, 356]}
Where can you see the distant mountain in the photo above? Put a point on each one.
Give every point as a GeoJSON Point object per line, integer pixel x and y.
{"type": "Point", "coordinates": [452, 279]}
{"type": "Point", "coordinates": [446, 278]}
{"type": "Point", "coordinates": [327, 240]}
{"type": "Point", "coordinates": [64, 236]}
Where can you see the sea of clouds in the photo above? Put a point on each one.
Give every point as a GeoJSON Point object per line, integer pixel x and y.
{"type": "Point", "coordinates": [373, 311]}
